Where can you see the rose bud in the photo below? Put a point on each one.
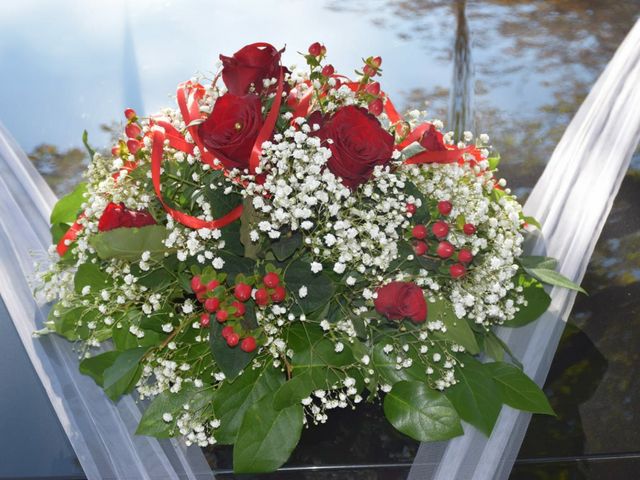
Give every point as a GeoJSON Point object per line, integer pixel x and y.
{"type": "Point", "coordinates": [248, 344]}
{"type": "Point", "coordinates": [133, 130]}
{"type": "Point", "coordinates": [469, 229]}
{"type": "Point", "coordinates": [232, 128]}
{"type": "Point", "coordinates": [316, 49]}
{"type": "Point", "coordinates": [250, 66]}
{"type": "Point", "coordinates": [457, 270]}
{"type": "Point", "coordinates": [359, 144]}
{"type": "Point", "coordinates": [398, 300]}
{"type": "Point", "coordinates": [465, 255]}
{"type": "Point", "coordinates": [445, 207]}
{"type": "Point", "coordinates": [445, 250]}
{"type": "Point", "coordinates": [432, 140]}
{"type": "Point", "coordinates": [419, 232]}
{"type": "Point", "coordinates": [372, 88]}
{"type": "Point", "coordinates": [133, 145]}
{"type": "Point", "coordinates": [420, 248]}
{"type": "Point", "coordinates": [328, 70]}
{"type": "Point", "coordinates": [440, 229]}
{"type": "Point", "coordinates": [375, 106]}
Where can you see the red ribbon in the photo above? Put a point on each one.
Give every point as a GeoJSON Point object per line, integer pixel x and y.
{"type": "Point", "coordinates": [71, 235]}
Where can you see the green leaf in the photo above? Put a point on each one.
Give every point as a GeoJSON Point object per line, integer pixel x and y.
{"type": "Point", "coordinates": [85, 141]}
{"type": "Point", "coordinates": [538, 302]}
{"type": "Point", "coordinates": [552, 277]}
{"type": "Point", "coordinates": [266, 437]}
{"type": "Point", "coordinates": [152, 423]}
{"type": "Point", "coordinates": [120, 377]}
{"type": "Point", "coordinates": [234, 265]}
{"type": "Point", "coordinates": [458, 329]}
{"type": "Point", "coordinates": [517, 390]}
{"type": "Point", "coordinates": [532, 221]}
{"type": "Point", "coordinates": [129, 243]}
{"type": "Point", "coordinates": [421, 413]}
{"type": "Point", "coordinates": [95, 366]}
{"type": "Point", "coordinates": [292, 391]}
{"type": "Point", "coordinates": [234, 399]}
{"type": "Point", "coordinates": [320, 288]}
{"type": "Point", "coordinates": [89, 274]}
{"type": "Point", "coordinates": [66, 210]}
{"type": "Point", "coordinates": [231, 360]}
{"type": "Point", "coordinates": [286, 246]}
{"type": "Point", "coordinates": [476, 397]}
{"type": "Point", "coordinates": [57, 231]}
{"type": "Point", "coordinates": [538, 261]}
{"type": "Point", "coordinates": [493, 347]}
{"type": "Point", "coordinates": [385, 364]}
{"type": "Point", "coordinates": [72, 322]}
{"type": "Point", "coordinates": [494, 161]}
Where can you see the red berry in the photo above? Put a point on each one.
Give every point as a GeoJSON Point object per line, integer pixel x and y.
{"type": "Point", "coordinates": [240, 308]}
{"type": "Point", "coordinates": [457, 270]}
{"type": "Point", "coordinates": [328, 70]}
{"type": "Point", "coordinates": [201, 296]}
{"type": "Point", "coordinates": [132, 130]}
{"type": "Point", "coordinates": [411, 208]}
{"type": "Point", "coordinates": [376, 62]}
{"type": "Point", "coordinates": [271, 279]}
{"type": "Point", "coordinates": [440, 229]}
{"type": "Point", "coordinates": [196, 284]}
{"type": "Point", "coordinates": [465, 255]}
{"type": "Point", "coordinates": [445, 250]}
{"type": "Point", "coordinates": [211, 304]}
{"type": "Point", "coordinates": [133, 145]}
{"type": "Point", "coordinates": [248, 344]}
{"type": "Point", "coordinates": [469, 229]}
{"type": "Point", "coordinates": [444, 207]}
{"type": "Point", "coordinates": [232, 339]}
{"type": "Point", "coordinates": [419, 232]}
{"type": "Point", "coordinates": [212, 285]}
{"type": "Point", "coordinates": [226, 331]}
{"type": "Point", "coordinates": [262, 297]}
{"type": "Point", "coordinates": [373, 88]}
{"type": "Point", "coordinates": [375, 106]}
{"type": "Point", "coordinates": [204, 320]}
{"type": "Point", "coordinates": [242, 292]}
{"type": "Point", "coordinates": [130, 114]}
{"type": "Point", "coordinates": [115, 151]}
{"type": "Point", "coordinates": [279, 294]}
{"type": "Point", "coordinates": [369, 71]}
{"type": "Point", "coordinates": [420, 248]}
{"type": "Point", "coordinates": [222, 316]}
{"type": "Point", "coordinates": [316, 49]}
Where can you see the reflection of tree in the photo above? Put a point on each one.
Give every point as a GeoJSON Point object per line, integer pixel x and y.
{"type": "Point", "coordinates": [61, 169]}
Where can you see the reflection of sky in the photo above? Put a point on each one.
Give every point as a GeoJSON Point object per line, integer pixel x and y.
{"type": "Point", "coordinates": [71, 64]}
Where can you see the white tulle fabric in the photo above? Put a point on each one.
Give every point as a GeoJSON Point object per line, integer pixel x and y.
{"type": "Point", "coordinates": [100, 431]}
{"type": "Point", "coordinates": [572, 200]}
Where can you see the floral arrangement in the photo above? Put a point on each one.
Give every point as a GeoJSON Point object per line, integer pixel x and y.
{"type": "Point", "coordinates": [288, 244]}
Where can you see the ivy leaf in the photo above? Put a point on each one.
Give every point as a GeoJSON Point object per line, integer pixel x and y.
{"type": "Point", "coordinates": [152, 423]}
{"type": "Point", "coordinates": [121, 376]}
{"type": "Point", "coordinates": [233, 399]}
{"type": "Point", "coordinates": [518, 390]}
{"type": "Point", "coordinates": [230, 360]}
{"type": "Point", "coordinates": [458, 329]}
{"type": "Point", "coordinates": [266, 437]}
{"type": "Point", "coordinates": [320, 288]}
{"type": "Point", "coordinates": [129, 243]}
{"type": "Point", "coordinates": [286, 246]}
{"type": "Point", "coordinates": [476, 397]}
{"type": "Point", "coordinates": [538, 302]}
{"type": "Point", "coordinates": [66, 210]}
{"type": "Point", "coordinates": [421, 413]}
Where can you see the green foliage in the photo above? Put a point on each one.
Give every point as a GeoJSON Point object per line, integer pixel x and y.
{"type": "Point", "coordinates": [476, 397]}
{"type": "Point", "coordinates": [266, 437]}
{"type": "Point", "coordinates": [121, 376]}
{"type": "Point", "coordinates": [286, 246]}
{"type": "Point", "coordinates": [385, 364]}
{"type": "Point", "coordinates": [230, 360]}
{"type": "Point", "coordinates": [233, 399]}
{"type": "Point", "coordinates": [538, 302]}
{"type": "Point", "coordinates": [96, 365]}
{"type": "Point", "coordinates": [320, 288]}
{"type": "Point", "coordinates": [517, 390]}
{"type": "Point", "coordinates": [129, 243]}
{"type": "Point", "coordinates": [421, 413]}
{"type": "Point", "coordinates": [89, 274]}
{"type": "Point", "coordinates": [67, 209]}
{"type": "Point", "coordinates": [458, 329]}
{"type": "Point", "coordinates": [543, 269]}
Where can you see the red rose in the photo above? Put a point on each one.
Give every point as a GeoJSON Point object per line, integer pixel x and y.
{"type": "Point", "coordinates": [232, 128]}
{"type": "Point", "coordinates": [398, 300]}
{"type": "Point", "coordinates": [118, 216]}
{"type": "Point", "coordinates": [359, 144]}
{"type": "Point", "coordinates": [250, 65]}
{"type": "Point", "coordinates": [432, 140]}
